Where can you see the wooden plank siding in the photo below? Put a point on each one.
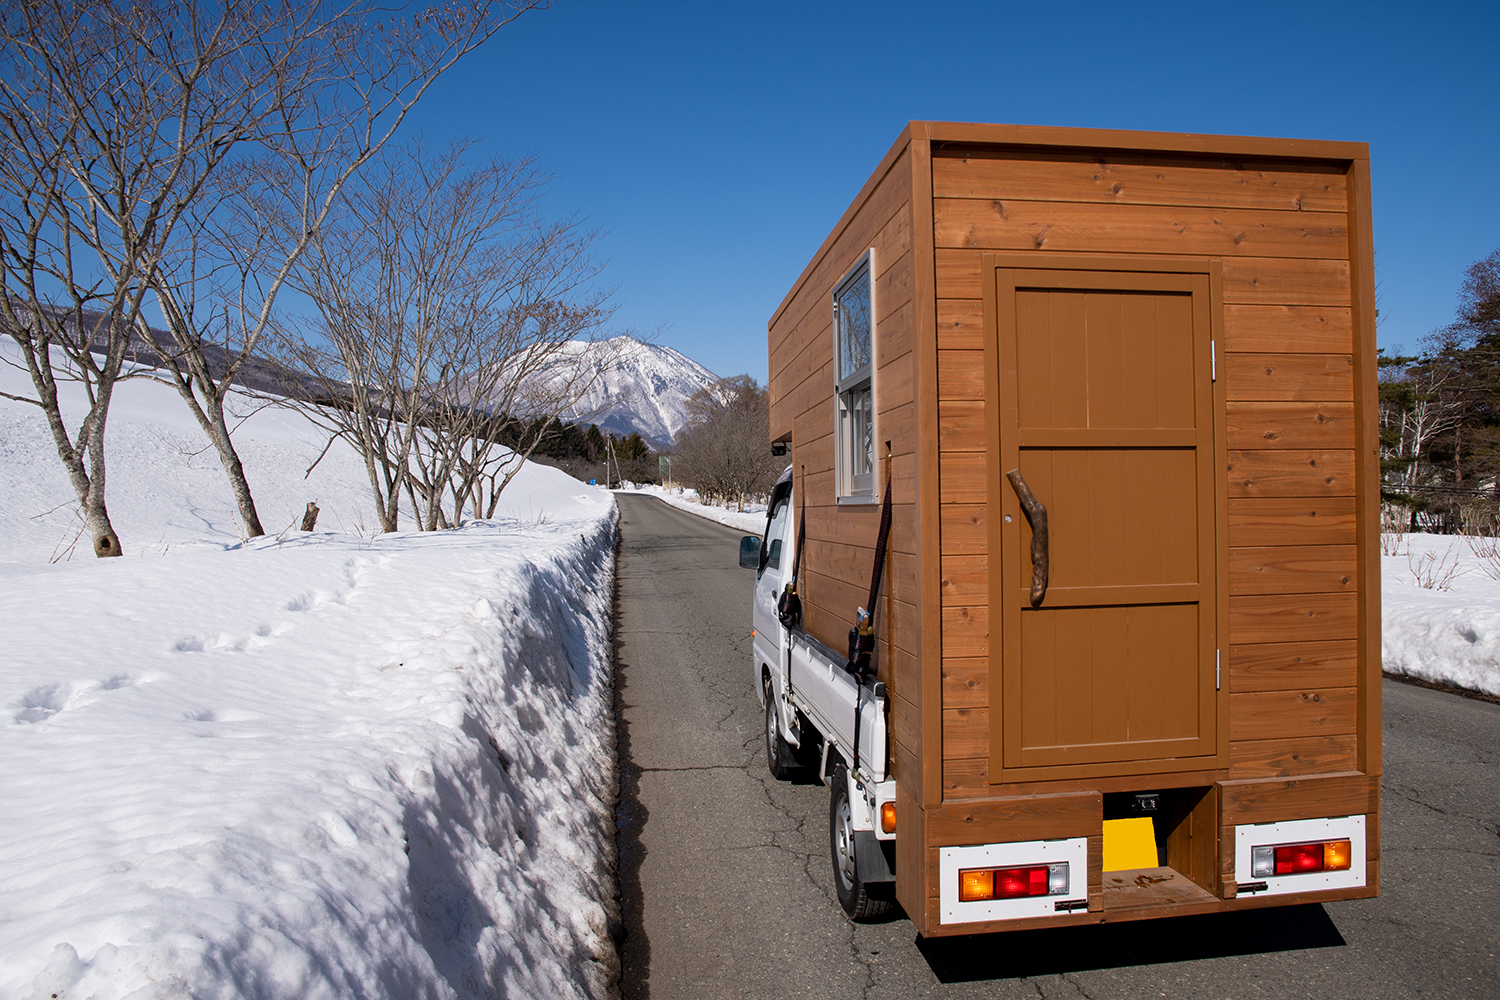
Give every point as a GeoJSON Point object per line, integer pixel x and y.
{"type": "Point", "coordinates": [839, 552]}
{"type": "Point", "coordinates": [1287, 357]}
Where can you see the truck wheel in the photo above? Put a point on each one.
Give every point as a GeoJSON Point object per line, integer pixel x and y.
{"type": "Point", "coordinates": [862, 902]}
{"type": "Point", "coordinates": [778, 754]}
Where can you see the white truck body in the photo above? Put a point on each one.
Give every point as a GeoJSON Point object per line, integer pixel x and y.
{"type": "Point", "coordinates": [813, 696]}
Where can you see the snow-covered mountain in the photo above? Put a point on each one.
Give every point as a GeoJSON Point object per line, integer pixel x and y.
{"type": "Point", "coordinates": [643, 388]}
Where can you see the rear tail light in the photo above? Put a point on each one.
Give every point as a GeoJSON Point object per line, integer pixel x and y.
{"type": "Point", "coordinates": [1300, 859]}
{"type": "Point", "coordinates": [980, 884]}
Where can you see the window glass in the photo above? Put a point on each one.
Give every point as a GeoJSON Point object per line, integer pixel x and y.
{"type": "Point", "coordinates": [853, 309]}
{"type": "Point", "coordinates": [775, 531]}
{"type": "Point", "coordinates": [862, 437]}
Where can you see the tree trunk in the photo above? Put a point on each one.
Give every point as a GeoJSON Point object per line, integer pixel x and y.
{"type": "Point", "coordinates": [88, 488]}
{"type": "Point", "coordinates": [210, 417]}
{"type": "Point", "coordinates": [232, 468]}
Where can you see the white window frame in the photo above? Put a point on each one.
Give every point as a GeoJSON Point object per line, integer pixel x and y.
{"type": "Point", "coordinates": [852, 488]}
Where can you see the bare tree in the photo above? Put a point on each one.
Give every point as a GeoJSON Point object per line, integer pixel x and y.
{"type": "Point", "coordinates": [725, 451]}
{"type": "Point", "coordinates": [144, 140]}
{"type": "Point", "coordinates": [446, 304]}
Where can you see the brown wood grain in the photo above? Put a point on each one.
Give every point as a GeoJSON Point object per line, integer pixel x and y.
{"type": "Point", "coordinates": [1367, 450]}
{"type": "Point", "coordinates": [1275, 281]}
{"type": "Point", "coordinates": [1293, 569]}
{"type": "Point", "coordinates": [982, 223]}
{"type": "Point", "coordinates": [896, 390]}
{"type": "Point", "coordinates": [961, 375]}
{"type": "Point", "coordinates": [965, 477]}
{"type": "Point", "coordinates": [1271, 715]}
{"type": "Point", "coordinates": [966, 732]}
{"type": "Point", "coordinates": [1140, 180]}
{"type": "Point", "coordinates": [966, 682]}
{"type": "Point", "coordinates": [1256, 801]}
{"type": "Point", "coordinates": [1284, 329]}
{"type": "Point", "coordinates": [966, 632]}
{"type": "Point", "coordinates": [906, 723]}
{"type": "Point", "coordinates": [1283, 282]}
{"type": "Point", "coordinates": [967, 779]}
{"type": "Point", "coordinates": [1151, 892]}
{"type": "Point", "coordinates": [1033, 817]}
{"type": "Point", "coordinates": [904, 679]}
{"type": "Point", "coordinates": [1292, 618]}
{"type": "Point", "coordinates": [1291, 473]}
{"type": "Point", "coordinates": [1286, 666]}
{"type": "Point", "coordinates": [957, 274]}
{"type": "Point", "coordinates": [952, 138]}
{"type": "Point", "coordinates": [1290, 425]}
{"type": "Point", "coordinates": [1288, 758]}
{"type": "Point", "coordinates": [965, 529]}
{"type": "Point", "coordinates": [911, 854]}
{"type": "Point", "coordinates": [1322, 377]}
{"type": "Point", "coordinates": [965, 580]}
{"type": "Point", "coordinates": [1291, 521]}
{"type": "Point", "coordinates": [961, 424]}
{"type": "Point", "coordinates": [960, 324]}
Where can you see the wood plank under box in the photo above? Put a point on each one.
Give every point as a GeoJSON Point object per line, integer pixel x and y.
{"type": "Point", "coordinates": [1151, 888]}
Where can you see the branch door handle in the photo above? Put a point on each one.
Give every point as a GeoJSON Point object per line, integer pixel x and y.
{"type": "Point", "coordinates": [1036, 516]}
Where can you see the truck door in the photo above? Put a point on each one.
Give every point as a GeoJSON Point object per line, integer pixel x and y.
{"type": "Point", "coordinates": [1106, 407]}
{"type": "Point", "coordinates": [774, 569]}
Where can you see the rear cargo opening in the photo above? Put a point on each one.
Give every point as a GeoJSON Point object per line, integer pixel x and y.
{"type": "Point", "coordinates": [1183, 828]}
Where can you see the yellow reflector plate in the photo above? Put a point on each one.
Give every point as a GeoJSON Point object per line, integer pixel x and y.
{"type": "Point", "coordinates": [1129, 843]}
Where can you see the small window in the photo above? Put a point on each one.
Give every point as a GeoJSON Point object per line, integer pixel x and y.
{"type": "Point", "coordinates": [853, 344]}
{"type": "Point", "coordinates": [771, 545]}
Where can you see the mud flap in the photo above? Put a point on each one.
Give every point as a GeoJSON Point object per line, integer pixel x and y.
{"type": "Point", "coordinates": [874, 859]}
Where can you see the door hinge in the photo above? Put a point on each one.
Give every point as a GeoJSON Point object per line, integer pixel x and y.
{"type": "Point", "coordinates": [1213, 361]}
{"type": "Point", "coordinates": [1216, 670]}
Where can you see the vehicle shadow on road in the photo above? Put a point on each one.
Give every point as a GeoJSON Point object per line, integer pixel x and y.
{"type": "Point", "coordinates": [1027, 954]}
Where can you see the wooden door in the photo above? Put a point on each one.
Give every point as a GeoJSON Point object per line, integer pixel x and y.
{"type": "Point", "coordinates": [1106, 408]}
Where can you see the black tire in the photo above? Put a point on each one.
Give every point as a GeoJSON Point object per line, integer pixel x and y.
{"type": "Point", "coordinates": [779, 757]}
{"type": "Point", "coordinates": [860, 901]}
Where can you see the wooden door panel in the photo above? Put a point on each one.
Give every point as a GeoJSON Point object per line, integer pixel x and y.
{"type": "Point", "coordinates": [1100, 680]}
{"type": "Point", "coordinates": [1106, 406]}
{"type": "Point", "coordinates": [1114, 516]}
{"type": "Point", "coordinates": [1108, 360]}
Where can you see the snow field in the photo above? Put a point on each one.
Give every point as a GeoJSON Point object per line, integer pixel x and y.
{"type": "Point", "coordinates": [319, 764]}
{"type": "Point", "coordinates": [1448, 633]}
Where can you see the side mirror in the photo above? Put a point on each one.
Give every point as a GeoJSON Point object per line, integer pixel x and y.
{"type": "Point", "coordinates": [750, 552]}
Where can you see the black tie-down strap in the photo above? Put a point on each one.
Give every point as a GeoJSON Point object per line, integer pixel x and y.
{"type": "Point", "coordinates": [789, 604]}
{"type": "Point", "coordinates": [862, 635]}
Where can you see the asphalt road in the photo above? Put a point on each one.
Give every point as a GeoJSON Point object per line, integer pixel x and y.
{"type": "Point", "coordinates": [727, 886]}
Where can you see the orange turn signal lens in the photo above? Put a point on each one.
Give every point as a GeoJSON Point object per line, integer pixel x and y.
{"type": "Point", "coordinates": [888, 817]}
{"type": "Point", "coordinates": [1336, 856]}
{"type": "Point", "coordinates": [976, 884]}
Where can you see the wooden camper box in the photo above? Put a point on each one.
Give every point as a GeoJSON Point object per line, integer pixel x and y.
{"type": "Point", "coordinates": [1173, 337]}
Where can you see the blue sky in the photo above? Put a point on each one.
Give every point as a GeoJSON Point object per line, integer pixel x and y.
{"type": "Point", "coordinates": [718, 143]}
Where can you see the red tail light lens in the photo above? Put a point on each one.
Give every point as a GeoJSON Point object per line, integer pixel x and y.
{"type": "Point", "coordinates": [1014, 883]}
{"type": "Point", "coordinates": [1294, 859]}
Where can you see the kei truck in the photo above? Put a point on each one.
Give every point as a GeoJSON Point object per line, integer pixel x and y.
{"type": "Point", "coordinates": [1070, 590]}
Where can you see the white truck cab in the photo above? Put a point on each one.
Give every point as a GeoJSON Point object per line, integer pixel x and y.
{"type": "Point", "coordinates": [810, 700]}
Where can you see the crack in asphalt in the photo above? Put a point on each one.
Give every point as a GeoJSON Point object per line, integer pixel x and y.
{"type": "Point", "coordinates": [1413, 796]}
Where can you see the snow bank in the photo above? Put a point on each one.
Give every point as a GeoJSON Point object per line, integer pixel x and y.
{"type": "Point", "coordinates": [751, 521]}
{"type": "Point", "coordinates": [317, 765]}
{"type": "Point", "coordinates": [1447, 636]}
